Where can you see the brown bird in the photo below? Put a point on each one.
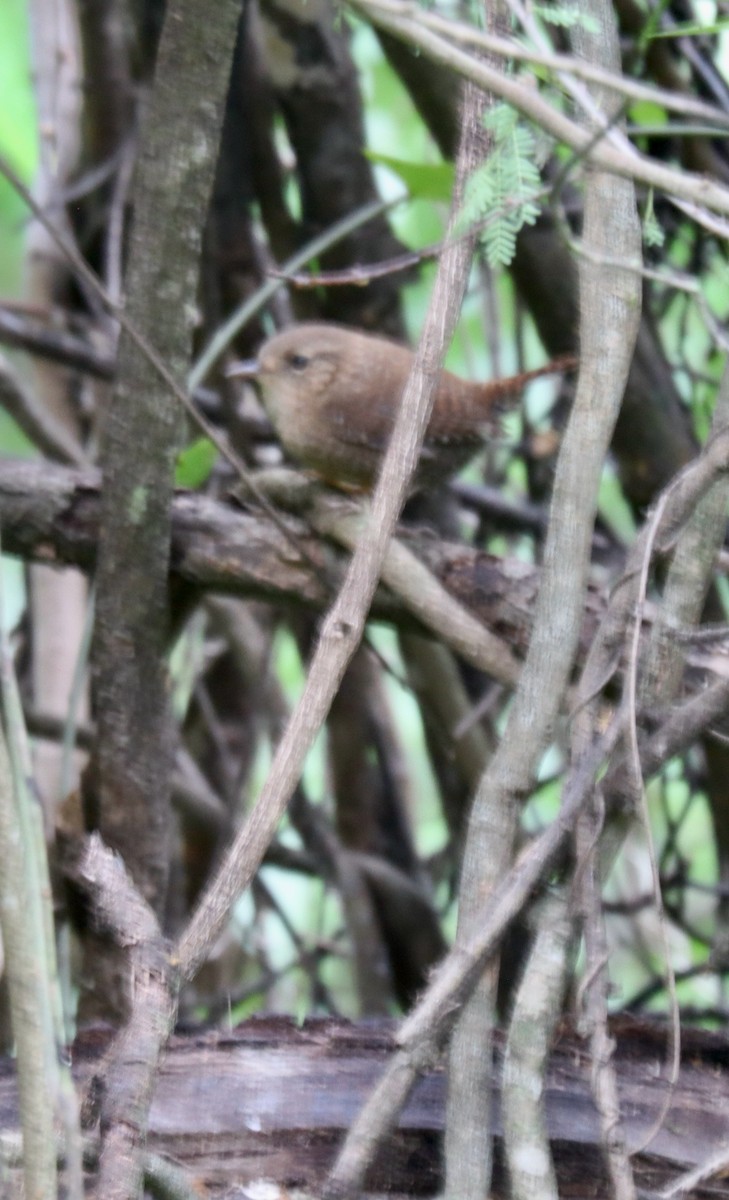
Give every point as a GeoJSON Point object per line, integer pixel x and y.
{"type": "Point", "coordinates": [332, 395]}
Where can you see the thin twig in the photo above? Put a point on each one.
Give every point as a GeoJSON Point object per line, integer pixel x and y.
{"type": "Point", "coordinates": [515, 51]}
{"type": "Point", "coordinates": [344, 625]}
{"type": "Point", "coordinates": [425, 1028]}
{"type": "Point", "coordinates": [143, 344]}
{"type": "Point", "coordinates": [684, 185]}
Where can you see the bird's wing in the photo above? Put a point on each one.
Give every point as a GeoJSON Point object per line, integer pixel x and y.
{"type": "Point", "coordinates": [355, 428]}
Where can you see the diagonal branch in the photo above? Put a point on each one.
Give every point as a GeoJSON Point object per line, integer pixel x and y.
{"type": "Point", "coordinates": [523, 97]}
{"type": "Point", "coordinates": [345, 622]}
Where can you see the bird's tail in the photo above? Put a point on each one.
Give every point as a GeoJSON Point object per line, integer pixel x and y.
{"type": "Point", "coordinates": [496, 392]}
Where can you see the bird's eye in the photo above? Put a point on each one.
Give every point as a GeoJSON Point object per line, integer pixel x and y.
{"type": "Point", "coordinates": [299, 361]}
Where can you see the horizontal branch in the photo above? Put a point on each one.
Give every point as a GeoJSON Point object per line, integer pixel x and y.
{"type": "Point", "coordinates": [50, 514]}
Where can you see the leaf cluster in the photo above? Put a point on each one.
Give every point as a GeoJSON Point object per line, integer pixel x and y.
{"type": "Point", "coordinates": [503, 193]}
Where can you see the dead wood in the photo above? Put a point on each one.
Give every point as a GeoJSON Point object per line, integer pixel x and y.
{"type": "Point", "coordinates": [272, 1101]}
{"type": "Point", "coordinates": [50, 514]}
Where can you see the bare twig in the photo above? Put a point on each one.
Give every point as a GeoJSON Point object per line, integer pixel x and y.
{"type": "Point", "coordinates": [632, 165]}
{"type": "Point", "coordinates": [686, 587]}
{"type": "Point", "coordinates": [537, 1007]}
{"type": "Point", "coordinates": [686, 1184]}
{"type": "Point", "coordinates": [344, 624]}
{"type": "Point", "coordinates": [39, 425]}
{"type": "Point", "coordinates": [28, 332]}
{"type": "Point", "coordinates": [424, 1030]}
{"type": "Point", "coordinates": [610, 318]}
{"type": "Point", "coordinates": [253, 304]}
{"type": "Point", "coordinates": [135, 1055]}
{"type": "Point", "coordinates": [146, 349]}
{"type": "Point", "coordinates": [514, 50]}
{"type": "Point", "coordinates": [27, 930]}
{"type": "Point", "coordinates": [426, 598]}
{"type": "Point", "coordinates": [37, 1075]}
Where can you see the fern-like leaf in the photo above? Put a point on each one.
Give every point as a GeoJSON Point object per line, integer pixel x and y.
{"type": "Point", "coordinates": [567, 16]}
{"type": "Point", "coordinates": [653, 234]}
{"type": "Point", "coordinates": [503, 191]}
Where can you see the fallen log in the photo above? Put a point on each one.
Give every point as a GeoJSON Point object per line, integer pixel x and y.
{"type": "Point", "coordinates": [270, 1101]}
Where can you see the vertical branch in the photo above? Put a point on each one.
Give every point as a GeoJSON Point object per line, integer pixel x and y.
{"type": "Point", "coordinates": [28, 1001]}
{"type": "Point", "coordinates": [26, 925]}
{"type": "Point", "coordinates": [467, 1140]}
{"type": "Point", "coordinates": [35, 961]}
{"type": "Point", "coordinates": [537, 1008]}
{"type": "Point", "coordinates": [685, 594]}
{"type": "Point", "coordinates": [141, 438]}
{"type": "Point", "coordinates": [609, 321]}
{"type": "Point", "coordinates": [57, 600]}
{"type": "Point", "coordinates": [610, 302]}
{"type": "Point", "coordinates": [688, 579]}
{"type": "Point", "coordinates": [134, 1059]}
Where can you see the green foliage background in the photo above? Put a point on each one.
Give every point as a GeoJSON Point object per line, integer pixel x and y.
{"type": "Point", "coordinates": [18, 140]}
{"type": "Point", "coordinates": [18, 143]}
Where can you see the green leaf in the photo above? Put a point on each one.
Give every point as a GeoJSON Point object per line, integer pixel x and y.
{"type": "Point", "coordinates": [195, 463]}
{"type": "Point", "coordinates": [647, 112]}
{"type": "Point", "coordinates": [18, 137]}
{"type": "Point", "coordinates": [424, 181]}
{"type": "Point", "coordinates": [17, 114]}
{"type": "Point", "coordinates": [653, 234]}
{"type": "Point", "coordinates": [691, 29]}
{"type": "Point", "coordinates": [500, 120]}
{"type": "Point", "coordinates": [567, 16]}
{"type": "Point", "coordinates": [504, 191]}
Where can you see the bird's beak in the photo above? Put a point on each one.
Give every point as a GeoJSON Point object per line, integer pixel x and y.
{"type": "Point", "coordinates": [246, 369]}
